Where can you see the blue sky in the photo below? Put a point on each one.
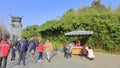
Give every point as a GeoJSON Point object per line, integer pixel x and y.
{"type": "Point", "coordinates": [39, 11]}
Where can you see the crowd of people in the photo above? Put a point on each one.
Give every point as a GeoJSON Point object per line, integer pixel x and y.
{"type": "Point", "coordinates": [22, 46]}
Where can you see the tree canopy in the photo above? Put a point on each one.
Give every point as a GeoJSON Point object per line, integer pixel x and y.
{"type": "Point", "coordinates": [104, 22]}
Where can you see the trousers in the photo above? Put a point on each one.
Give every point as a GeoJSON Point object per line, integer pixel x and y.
{"type": "Point", "coordinates": [3, 62]}
{"type": "Point", "coordinates": [22, 55]}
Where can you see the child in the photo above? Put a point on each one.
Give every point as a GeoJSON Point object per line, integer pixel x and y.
{"type": "Point", "coordinates": [40, 50]}
{"type": "Point", "coordinates": [13, 50]}
{"type": "Point", "coordinates": [68, 52]}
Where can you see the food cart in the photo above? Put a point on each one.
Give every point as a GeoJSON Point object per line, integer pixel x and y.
{"type": "Point", "coordinates": [76, 49]}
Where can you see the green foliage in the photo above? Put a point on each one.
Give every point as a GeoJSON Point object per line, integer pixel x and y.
{"type": "Point", "coordinates": [30, 31]}
{"type": "Point", "coordinates": [3, 31]}
{"type": "Point", "coordinates": [97, 5]}
{"type": "Point", "coordinates": [104, 22]}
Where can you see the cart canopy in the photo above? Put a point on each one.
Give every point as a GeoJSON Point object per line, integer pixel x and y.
{"type": "Point", "coordinates": [79, 32]}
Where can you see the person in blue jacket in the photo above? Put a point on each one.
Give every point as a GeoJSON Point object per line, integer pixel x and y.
{"type": "Point", "coordinates": [31, 49]}
{"type": "Point", "coordinates": [22, 48]}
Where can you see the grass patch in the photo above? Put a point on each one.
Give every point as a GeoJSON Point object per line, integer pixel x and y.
{"type": "Point", "coordinates": [104, 51]}
{"type": "Point", "coordinates": [57, 44]}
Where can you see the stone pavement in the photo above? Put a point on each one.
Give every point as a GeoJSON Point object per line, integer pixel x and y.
{"type": "Point", "coordinates": [58, 61]}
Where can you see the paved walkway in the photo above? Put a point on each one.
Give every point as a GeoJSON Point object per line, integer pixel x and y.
{"type": "Point", "coordinates": [58, 61]}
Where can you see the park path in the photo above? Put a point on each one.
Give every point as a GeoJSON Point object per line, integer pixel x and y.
{"type": "Point", "coordinates": [102, 60]}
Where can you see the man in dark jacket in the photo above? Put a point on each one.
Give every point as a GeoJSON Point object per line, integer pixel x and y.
{"type": "Point", "coordinates": [22, 47]}
{"type": "Point", "coordinates": [4, 51]}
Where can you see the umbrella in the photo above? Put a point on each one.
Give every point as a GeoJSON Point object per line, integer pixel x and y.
{"type": "Point", "coordinates": [79, 32]}
{"type": "Point", "coordinates": [35, 38]}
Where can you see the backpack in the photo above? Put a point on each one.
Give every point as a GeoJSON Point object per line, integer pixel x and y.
{"type": "Point", "coordinates": [68, 51]}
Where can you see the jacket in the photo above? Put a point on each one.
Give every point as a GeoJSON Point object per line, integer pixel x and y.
{"type": "Point", "coordinates": [78, 43]}
{"type": "Point", "coordinates": [32, 46]}
{"type": "Point", "coordinates": [22, 45]}
{"type": "Point", "coordinates": [40, 48]}
{"type": "Point", "coordinates": [48, 47]}
{"type": "Point", "coordinates": [4, 49]}
{"type": "Point", "coordinates": [90, 53]}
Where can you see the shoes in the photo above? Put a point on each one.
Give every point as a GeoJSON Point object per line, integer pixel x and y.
{"type": "Point", "coordinates": [49, 61]}
{"type": "Point", "coordinates": [41, 60]}
{"type": "Point", "coordinates": [38, 60]}
{"type": "Point", "coordinates": [33, 61]}
{"type": "Point", "coordinates": [24, 64]}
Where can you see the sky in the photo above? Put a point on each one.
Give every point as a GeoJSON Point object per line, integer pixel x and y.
{"type": "Point", "coordinates": [40, 11]}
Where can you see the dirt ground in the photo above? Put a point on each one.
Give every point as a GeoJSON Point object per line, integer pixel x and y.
{"type": "Point", "coordinates": [101, 60]}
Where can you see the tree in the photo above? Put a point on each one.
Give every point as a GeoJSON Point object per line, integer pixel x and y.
{"type": "Point", "coordinates": [30, 31]}
{"type": "Point", "coordinates": [97, 4]}
{"type": "Point", "coordinates": [104, 22]}
{"type": "Point", "coordinates": [3, 30]}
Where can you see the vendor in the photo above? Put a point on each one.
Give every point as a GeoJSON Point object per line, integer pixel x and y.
{"type": "Point", "coordinates": [78, 43]}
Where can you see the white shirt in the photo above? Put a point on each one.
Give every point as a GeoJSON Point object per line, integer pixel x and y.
{"type": "Point", "coordinates": [90, 53]}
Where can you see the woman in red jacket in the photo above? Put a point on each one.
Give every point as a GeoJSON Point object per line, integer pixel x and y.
{"type": "Point", "coordinates": [4, 52]}
{"type": "Point", "coordinates": [40, 50]}
{"type": "Point", "coordinates": [78, 43]}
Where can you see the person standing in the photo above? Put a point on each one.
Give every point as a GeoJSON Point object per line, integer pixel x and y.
{"type": "Point", "coordinates": [68, 51]}
{"type": "Point", "coordinates": [22, 47]}
{"type": "Point", "coordinates": [32, 48]}
{"type": "Point", "coordinates": [13, 49]}
{"type": "Point", "coordinates": [64, 50]}
{"type": "Point", "coordinates": [4, 52]}
{"type": "Point", "coordinates": [49, 49]}
{"type": "Point", "coordinates": [40, 51]}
